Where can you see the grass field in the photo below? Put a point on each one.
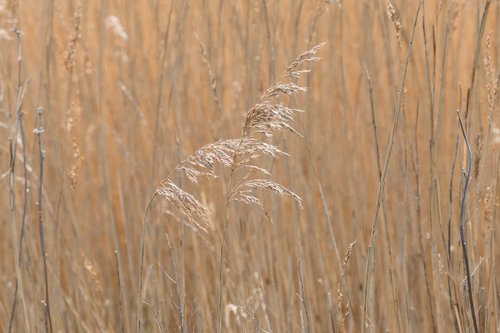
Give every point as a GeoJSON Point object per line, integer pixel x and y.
{"type": "Point", "coordinates": [158, 175]}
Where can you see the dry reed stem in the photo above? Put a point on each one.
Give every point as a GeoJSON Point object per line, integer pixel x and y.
{"type": "Point", "coordinates": [462, 227]}
{"type": "Point", "coordinates": [399, 106]}
{"type": "Point", "coordinates": [46, 301]}
{"type": "Point", "coordinates": [18, 245]}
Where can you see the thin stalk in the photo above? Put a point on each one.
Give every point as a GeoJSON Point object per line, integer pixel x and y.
{"type": "Point", "coordinates": [270, 39]}
{"type": "Point", "coordinates": [419, 225]}
{"type": "Point", "coordinates": [181, 279]}
{"type": "Point", "coordinates": [303, 296]}
{"type": "Point", "coordinates": [161, 81]}
{"type": "Point", "coordinates": [221, 271]}
{"type": "Point", "coordinates": [371, 247]}
{"type": "Point", "coordinates": [331, 232]}
{"type": "Point", "coordinates": [462, 226]}
{"type": "Point", "coordinates": [475, 63]}
{"type": "Point", "coordinates": [450, 215]}
{"type": "Point", "coordinates": [120, 292]}
{"type": "Point", "coordinates": [46, 302]}
{"type": "Point", "coordinates": [20, 128]}
{"type": "Point", "coordinates": [434, 195]}
{"type": "Point", "coordinates": [229, 194]}
{"type": "Point", "coordinates": [177, 284]}
{"type": "Point", "coordinates": [145, 223]}
{"type": "Point", "coordinates": [492, 267]}
{"type": "Point", "coordinates": [384, 219]}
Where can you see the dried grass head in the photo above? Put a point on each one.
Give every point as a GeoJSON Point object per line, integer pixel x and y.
{"type": "Point", "coordinates": [266, 117]}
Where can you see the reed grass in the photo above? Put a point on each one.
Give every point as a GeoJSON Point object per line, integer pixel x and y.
{"type": "Point", "coordinates": [175, 181]}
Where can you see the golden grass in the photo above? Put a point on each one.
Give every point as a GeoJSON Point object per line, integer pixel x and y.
{"type": "Point", "coordinates": [107, 104]}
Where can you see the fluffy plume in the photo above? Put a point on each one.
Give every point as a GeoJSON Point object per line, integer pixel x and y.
{"type": "Point", "coordinates": [266, 117]}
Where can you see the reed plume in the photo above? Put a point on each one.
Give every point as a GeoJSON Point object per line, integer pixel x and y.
{"type": "Point", "coordinates": [262, 121]}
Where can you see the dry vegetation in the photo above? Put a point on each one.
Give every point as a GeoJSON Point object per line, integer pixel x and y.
{"type": "Point", "coordinates": [158, 175]}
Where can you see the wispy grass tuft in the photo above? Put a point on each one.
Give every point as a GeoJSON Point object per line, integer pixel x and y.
{"type": "Point", "coordinates": [262, 121]}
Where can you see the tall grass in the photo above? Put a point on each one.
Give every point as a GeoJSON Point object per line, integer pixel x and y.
{"type": "Point", "coordinates": [104, 105]}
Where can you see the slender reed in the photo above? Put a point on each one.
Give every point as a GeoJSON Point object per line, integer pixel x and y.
{"type": "Point", "coordinates": [462, 226]}
{"type": "Point", "coordinates": [477, 49]}
{"type": "Point", "coordinates": [19, 127]}
{"type": "Point", "coordinates": [306, 323]}
{"type": "Point", "coordinates": [178, 287]}
{"type": "Point", "coordinates": [120, 292]}
{"type": "Point", "coordinates": [434, 194]}
{"type": "Point", "coordinates": [384, 214]}
{"type": "Point", "coordinates": [46, 302]}
{"type": "Point", "coordinates": [371, 248]}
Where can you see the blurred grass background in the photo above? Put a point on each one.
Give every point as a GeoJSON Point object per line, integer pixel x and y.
{"type": "Point", "coordinates": [130, 88]}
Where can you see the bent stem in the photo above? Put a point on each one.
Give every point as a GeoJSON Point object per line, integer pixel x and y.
{"type": "Point", "coordinates": [462, 226]}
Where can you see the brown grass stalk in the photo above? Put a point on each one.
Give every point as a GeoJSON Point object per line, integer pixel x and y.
{"type": "Point", "coordinates": [369, 262]}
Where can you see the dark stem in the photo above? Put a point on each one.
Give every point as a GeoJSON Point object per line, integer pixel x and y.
{"type": "Point", "coordinates": [14, 303]}
{"type": "Point", "coordinates": [20, 127]}
{"type": "Point", "coordinates": [462, 226]}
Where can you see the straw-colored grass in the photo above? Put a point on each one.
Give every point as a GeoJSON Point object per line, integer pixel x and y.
{"type": "Point", "coordinates": [159, 174]}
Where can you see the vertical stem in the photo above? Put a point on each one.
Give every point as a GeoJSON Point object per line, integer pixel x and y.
{"type": "Point", "coordinates": [46, 302]}
{"type": "Point", "coordinates": [19, 246]}
{"type": "Point", "coordinates": [221, 271]}
{"type": "Point", "coordinates": [384, 219]}
{"type": "Point", "coordinates": [434, 195]}
{"type": "Point", "coordinates": [181, 279]}
{"type": "Point", "coordinates": [270, 39]}
{"type": "Point", "coordinates": [120, 294]}
{"type": "Point", "coordinates": [477, 48]}
{"type": "Point", "coordinates": [178, 287]}
{"type": "Point", "coordinates": [229, 194]}
{"type": "Point", "coordinates": [451, 299]}
{"type": "Point", "coordinates": [371, 246]}
{"type": "Point", "coordinates": [303, 295]}
{"type": "Point", "coordinates": [462, 226]}
{"type": "Point", "coordinates": [161, 81]}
